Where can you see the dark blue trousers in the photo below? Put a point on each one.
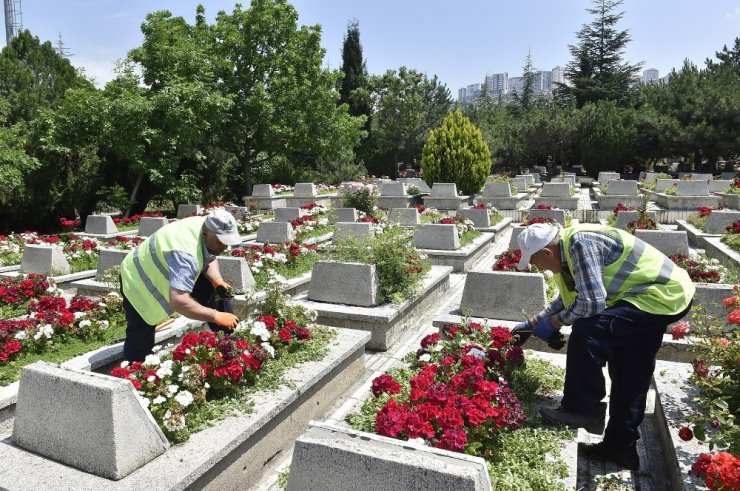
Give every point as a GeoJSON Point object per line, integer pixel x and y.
{"type": "Point", "coordinates": [140, 335]}
{"type": "Point", "coordinates": [627, 340]}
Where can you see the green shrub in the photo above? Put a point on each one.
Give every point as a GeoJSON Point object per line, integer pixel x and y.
{"type": "Point", "coordinates": [456, 152]}
{"type": "Point", "coordinates": [361, 198]}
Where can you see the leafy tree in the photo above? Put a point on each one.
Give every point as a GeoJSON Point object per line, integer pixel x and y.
{"type": "Point", "coordinates": [15, 163]}
{"type": "Point", "coordinates": [606, 134]}
{"type": "Point", "coordinates": [407, 106]}
{"type": "Point", "coordinates": [285, 103]}
{"type": "Point", "coordinates": [597, 71]}
{"type": "Point", "coordinates": [456, 152]}
{"type": "Point", "coordinates": [33, 76]}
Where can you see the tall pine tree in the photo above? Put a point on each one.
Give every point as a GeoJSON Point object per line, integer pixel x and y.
{"type": "Point", "coordinates": [597, 71]}
{"type": "Point", "coordinates": [355, 74]}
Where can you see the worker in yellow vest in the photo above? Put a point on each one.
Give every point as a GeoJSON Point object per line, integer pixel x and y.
{"type": "Point", "coordinates": [619, 294]}
{"type": "Point", "coordinates": [175, 270]}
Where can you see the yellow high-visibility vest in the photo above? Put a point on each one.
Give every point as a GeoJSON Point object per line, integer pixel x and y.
{"type": "Point", "coordinates": [642, 276]}
{"type": "Point", "coordinates": [145, 274]}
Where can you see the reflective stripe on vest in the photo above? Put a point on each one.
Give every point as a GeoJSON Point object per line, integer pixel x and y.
{"type": "Point", "coordinates": [642, 275]}
{"type": "Point", "coordinates": [145, 272]}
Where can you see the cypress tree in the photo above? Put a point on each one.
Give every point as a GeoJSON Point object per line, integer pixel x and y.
{"type": "Point", "coordinates": [355, 73]}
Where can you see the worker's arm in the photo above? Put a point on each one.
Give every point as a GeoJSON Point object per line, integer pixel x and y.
{"type": "Point", "coordinates": [213, 273]}
{"type": "Point", "coordinates": [183, 303]}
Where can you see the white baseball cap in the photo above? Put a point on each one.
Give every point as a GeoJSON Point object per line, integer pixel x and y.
{"type": "Point", "coordinates": [533, 239]}
{"type": "Point", "coordinates": [223, 224]}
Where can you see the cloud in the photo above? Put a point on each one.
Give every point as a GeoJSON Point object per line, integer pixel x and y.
{"type": "Point", "coordinates": [734, 14]}
{"type": "Point", "coordinates": [102, 71]}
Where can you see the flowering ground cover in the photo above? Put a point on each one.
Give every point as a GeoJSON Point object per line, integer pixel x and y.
{"type": "Point", "coordinates": [732, 236]}
{"type": "Point", "coordinates": [281, 189]}
{"type": "Point", "coordinates": [700, 217]}
{"type": "Point", "coordinates": [313, 222]}
{"type": "Point", "coordinates": [208, 376]}
{"type": "Point", "coordinates": [717, 375]}
{"type": "Point", "coordinates": [465, 228]}
{"type": "Point", "coordinates": [132, 223]}
{"type": "Point", "coordinates": [123, 243]}
{"type": "Point", "coordinates": [289, 260]}
{"type": "Point", "coordinates": [16, 293]}
{"type": "Point", "coordinates": [11, 247]}
{"type": "Point", "coordinates": [704, 270]}
{"type": "Point", "coordinates": [527, 220]}
{"type": "Point", "coordinates": [472, 392]}
{"type": "Point", "coordinates": [57, 330]}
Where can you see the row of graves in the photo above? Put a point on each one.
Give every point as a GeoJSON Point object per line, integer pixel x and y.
{"type": "Point", "coordinates": [374, 348]}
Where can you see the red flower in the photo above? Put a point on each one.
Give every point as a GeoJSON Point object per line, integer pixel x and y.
{"type": "Point", "coordinates": [430, 340]}
{"type": "Point", "coordinates": [734, 317]}
{"type": "Point", "coordinates": [701, 369]}
{"type": "Point", "coordinates": [385, 384]}
{"type": "Point", "coordinates": [285, 335]}
{"type": "Point", "coordinates": [679, 330]}
{"type": "Point", "coordinates": [269, 321]}
{"type": "Point", "coordinates": [454, 440]}
{"type": "Point", "coordinates": [699, 469]}
{"type": "Point", "coordinates": [723, 472]}
{"type": "Point", "coordinates": [391, 419]}
{"type": "Point", "coordinates": [303, 334]}
{"type": "Point", "coordinates": [685, 433]}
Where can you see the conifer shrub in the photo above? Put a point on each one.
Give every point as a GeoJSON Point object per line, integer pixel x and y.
{"type": "Point", "coordinates": [456, 152]}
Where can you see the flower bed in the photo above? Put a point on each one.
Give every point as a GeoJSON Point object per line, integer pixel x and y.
{"type": "Point", "coordinates": [362, 197]}
{"type": "Point", "coordinates": [313, 222]}
{"type": "Point", "coordinates": [700, 218]}
{"type": "Point", "coordinates": [124, 243]}
{"type": "Point", "coordinates": [704, 270]}
{"type": "Point", "coordinates": [462, 394]}
{"type": "Point", "coordinates": [132, 223]}
{"type": "Point", "coordinates": [717, 376]}
{"type": "Point", "coordinates": [612, 219]}
{"type": "Point", "coordinates": [11, 247]}
{"type": "Point", "coordinates": [17, 292]}
{"type": "Point", "coordinates": [57, 330]}
{"type": "Point", "coordinates": [281, 189]}
{"type": "Point", "coordinates": [208, 376]}
{"type": "Point", "coordinates": [732, 237]}
{"type": "Point", "coordinates": [289, 260]}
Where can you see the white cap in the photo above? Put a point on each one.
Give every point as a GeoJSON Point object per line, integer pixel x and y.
{"type": "Point", "coordinates": [223, 224]}
{"type": "Point", "coordinates": [533, 239]}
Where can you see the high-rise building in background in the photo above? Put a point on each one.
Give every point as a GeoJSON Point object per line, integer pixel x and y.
{"type": "Point", "coordinates": [497, 84]}
{"type": "Point", "coordinates": [650, 76]}
{"type": "Point", "coordinates": [557, 75]}
{"type": "Point", "coordinates": [462, 94]}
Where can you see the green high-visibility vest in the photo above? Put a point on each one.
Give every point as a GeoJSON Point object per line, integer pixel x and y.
{"type": "Point", "coordinates": [145, 274]}
{"type": "Point", "coordinates": [642, 276]}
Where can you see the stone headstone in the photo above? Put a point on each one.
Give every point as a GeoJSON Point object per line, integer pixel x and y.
{"type": "Point", "coordinates": [100, 225]}
{"type": "Point", "coordinates": [304, 190]}
{"type": "Point", "coordinates": [109, 258]}
{"type": "Point", "coordinates": [437, 236]}
{"type": "Point", "coordinates": [275, 232]}
{"type": "Point", "coordinates": [571, 180]}
{"type": "Point", "coordinates": [719, 219]}
{"type": "Point", "coordinates": [235, 271]}
{"type": "Point", "coordinates": [528, 178]}
{"type": "Point", "coordinates": [444, 190]}
{"type": "Point", "coordinates": [232, 209]}
{"type": "Point", "coordinates": [520, 184]}
{"type": "Point", "coordinates": [345, 283]}
{"type": "Point", "coordinates": [188, 210]}
{"type": "Point", "coordinates": [480, 218]}
{"type": "Point", "coordinates": [410, 173]}
{"type": "Point", "coordinates": [287, 214]}
{"type": "Point", "coordinates": [502, 294]}
{"type": "Point", "coordinates": [719, 185]}
{"type": "Point", "coordinates": [729, 175]}
{"type": "Point", "coordinates": [93, 422]}
{"type": "Point", "coordinates": [555, 190]}
{"type": "Point", "coordinates": [44, 259]}
{"type": "Point", "coordinates": [418, 182]}
{"type": "Point", "coordinates": [668, 242]}
{"type": "Point", "coordinates": [262, 191]}
{"type": "Point", "coordinates": [625, 217]}
{"type": "Point", "coordinates": [405, 216]}
{"type": "Point", "coordinates": [692, 188]}
{"type": "Point", "coordinates": [702, 177]}
{"type": "Point", "coordinates": [149, 225]}
{"type": "Point", "coordinates": [328, 457]}
{"type": "Point", "coordinates": [537, 178]}
{"type": "Point", "coordinates": [605, 177]}
{"type": "Point", "coordinates": [393, 188]}
{"type": "Point", "coordinates": [497, 190]}
{"type": "Point", "coordinates": [621, 188]}
{"type": "Point", "coordinates": [558, 215]}
{"type": "Point", "coordinates": [662, 184]}
{"type": "Point", "coordinates": [360, 230]}
{"type": "Point", "coordinates": [343, 215]}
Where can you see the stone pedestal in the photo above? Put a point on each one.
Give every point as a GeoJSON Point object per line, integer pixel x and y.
{"type": "Point", "coordinates": [100, 225]}
{"type": "Point", "coordinates": [43, 259]}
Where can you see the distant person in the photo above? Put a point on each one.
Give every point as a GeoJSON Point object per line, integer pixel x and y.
{"type": "Point", "coordinates": [175, 270]}
{"type": "Point", "coordinates": [619, 294]}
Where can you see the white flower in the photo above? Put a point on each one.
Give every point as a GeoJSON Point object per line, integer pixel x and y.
{"type": "Point", "coordinates": [172, 389]}
{"type": "Point", "coordinates": [21, 335]}
{"type": "Point", "coordinates": [269, 349]}
{"type": "Point", "coordinates": [260, 330]}
{"type": "Point", "coordinates": [102, 305]}
{"type": "Point", "coordinates": [159, 400]}
{"type": "Point", "coordinates": [207, 385]}
{"type": "Point", "coordinates": [85, 323]}
{"type": "Point", "coordinates": [185, 398]}
{"type": "Point", "coordinates": [124, 364]}
{"type": "Point", "coordinates": [312, 314]}
{"type": "Point", "coordinates": [173, 424]}
{"type": "Point", "coordinates": [425, 357]}
{"type": "Point", "coordinates": [44, 331]}
{"type": "Point", "coordinates": [104, 324]}
{"type": "Point", "coordinates": [417, 441]}
{"type": "Point", "coordinates": [114, 295]}
{"type": "Point", "coordinates": [152, 360]}
{"type": "Point", "coordinates": [156, 348]}
{"type": "Point", "coordinates": [78, 315]}
{"type": "Point", "coordinates": [165, 370]}
{"type": "Point", "coordinates": [151, 378]}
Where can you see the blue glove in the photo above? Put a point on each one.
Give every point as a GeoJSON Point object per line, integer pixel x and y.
{"type": "Point", "coordinates": [544, 329]}
{"type": "Point", "coordinates": [522, 331]}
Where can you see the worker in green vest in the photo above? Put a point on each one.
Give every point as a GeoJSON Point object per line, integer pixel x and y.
{"type": "Point", "coordinates": [175, 270]}
{"type": "Point", "coordinates": [619, 294]}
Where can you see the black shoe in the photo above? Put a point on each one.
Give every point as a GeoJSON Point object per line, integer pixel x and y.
{"type": "Point", "coordinates": [626, 458]}
{"type": "Point", "coordinates": [592, 421]}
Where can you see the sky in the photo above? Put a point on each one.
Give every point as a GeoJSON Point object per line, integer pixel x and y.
{"type": "Point", "coordinates": [459, 42]}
